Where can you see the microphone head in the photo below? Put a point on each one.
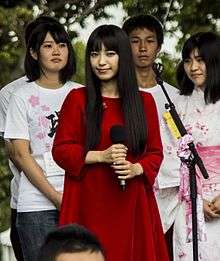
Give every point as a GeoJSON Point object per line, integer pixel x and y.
{"type": "Point", "coordinates": [157, 68]}
{"type": "Point", "coordinates": [117, 134]}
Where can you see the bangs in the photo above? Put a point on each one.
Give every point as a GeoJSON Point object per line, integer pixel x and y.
{"type": "Point", "coordinates": [187, 50]}
{"type": "Point", "coordinates": [109, 41]}
{"type": "Point", "coordinates": [191, 44]}
{"type": "Point", "coordinates": [59, 36]}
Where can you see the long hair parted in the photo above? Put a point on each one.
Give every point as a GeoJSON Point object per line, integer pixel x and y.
{"type": "Point", "coordinates": [115, 39]}
{"type": "Point", "coordinates": [208, 46]}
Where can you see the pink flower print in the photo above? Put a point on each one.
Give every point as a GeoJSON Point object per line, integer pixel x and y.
{"type": "Point", "coordinates": [181, 254]}
{"type": "Point", "coordinates": [202, 127]}
{"type": "Point", "coordinates": [34, 100]}
{"type": "Point", "coordinates": [40, 135]}
{"type": "Point", "coordinates": [188, 128]}
{"type": "Point", "coordinates": [43, 122]}
{"type": "Point", "coordinates": [45, 108]}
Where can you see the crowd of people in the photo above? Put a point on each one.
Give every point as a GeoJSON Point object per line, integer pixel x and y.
{"type": "Point", "coordinates": [101, 156]}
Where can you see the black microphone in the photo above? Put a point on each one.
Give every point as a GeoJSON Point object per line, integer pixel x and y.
{"type": "Point", "coordinates": [158, 69]}
{"type": "Point", "coordinates": [117, 134]}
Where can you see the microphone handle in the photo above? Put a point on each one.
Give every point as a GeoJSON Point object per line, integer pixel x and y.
{"type": "Point", "coordinates": [122, 184]}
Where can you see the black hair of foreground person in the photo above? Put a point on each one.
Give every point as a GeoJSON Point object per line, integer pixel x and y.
{"type": "Point", "coordinates": [69, 239]}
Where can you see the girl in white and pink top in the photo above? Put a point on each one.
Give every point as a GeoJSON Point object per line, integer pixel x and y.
{"type": "Point", "coordinates": [198, 106]}
{"type": "Point", "coordinates": [31, 123]}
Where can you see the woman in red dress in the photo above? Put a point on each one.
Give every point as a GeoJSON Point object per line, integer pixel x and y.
{"type": "Point", "coordinates": [126, 222]}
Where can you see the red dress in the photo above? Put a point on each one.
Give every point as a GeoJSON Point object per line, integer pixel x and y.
{"type": "Point", "coordinates": [127, 223]}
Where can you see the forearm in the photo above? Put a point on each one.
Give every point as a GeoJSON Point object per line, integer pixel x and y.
{"type": "Point", "coordinates": [36, 176]}
{"type": "Point", "coordinates": [11, 154]}
{"type": "Point", "coordinates": [93, 157]}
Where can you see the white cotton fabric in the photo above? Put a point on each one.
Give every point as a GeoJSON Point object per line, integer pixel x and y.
{"type": "Point", "coordinates": [159, 97]}
{"type": "Point", "coordinates": [33, 115]}
{"type": "Point", "coordinates": [5, 94]}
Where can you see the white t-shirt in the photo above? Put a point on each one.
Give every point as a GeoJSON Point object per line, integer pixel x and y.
{"type": "Point", "coordinates": [33, 115]}
{"type": "Point", "coordinates": [160, 98]}
{"type": "Point", "coordinates": [5, 94]}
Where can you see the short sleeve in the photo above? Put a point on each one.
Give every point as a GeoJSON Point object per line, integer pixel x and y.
{"type": "Point", "coordinates": [17, 119]}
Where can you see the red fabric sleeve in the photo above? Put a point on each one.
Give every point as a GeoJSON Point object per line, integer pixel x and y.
{"type": "Point", "coordinates": [152, 158]}
{"type": "Point", "coordinates": [68, 148]}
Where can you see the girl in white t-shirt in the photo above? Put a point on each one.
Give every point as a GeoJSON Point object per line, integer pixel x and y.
{"type": "Point", "coordinates": [31, 124]}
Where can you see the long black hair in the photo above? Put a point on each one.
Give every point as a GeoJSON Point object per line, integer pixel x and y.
{"type": "Point", "coordinates": [208, 46]}
{"type": "Point", "coordinates": [115, 39]}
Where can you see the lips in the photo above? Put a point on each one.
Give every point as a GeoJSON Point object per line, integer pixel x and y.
{"type": "Point", "coordinates": [196, 75]}
{"type": "Point", "coordinates": [102, 70]}
{"type": "Point", "coordinates": [56, 60]}
{"type": "Point", "coordinates": [143, 57]}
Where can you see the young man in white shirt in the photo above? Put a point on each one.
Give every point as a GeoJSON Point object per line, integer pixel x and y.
{"type": "Point", "coordinates": [146, 37]}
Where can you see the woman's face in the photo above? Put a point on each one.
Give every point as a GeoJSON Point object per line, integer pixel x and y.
{"type": "Point", "coordinates": [104, 64]}
{"type": "Point", "coordinates": [52, 56]}
{"type": "Point", "coordinates": [195, 69]}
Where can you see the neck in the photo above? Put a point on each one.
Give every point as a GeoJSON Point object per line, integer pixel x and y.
{"type": "Point", "coordinates": [145, 77]}
{"type": "Point", "coordinates": [109, 89]}
{"type": "Point", "coordinates": [49, 81]}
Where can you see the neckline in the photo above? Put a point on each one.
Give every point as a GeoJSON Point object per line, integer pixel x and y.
{"type": "Point", "coordinates": [111, 98]}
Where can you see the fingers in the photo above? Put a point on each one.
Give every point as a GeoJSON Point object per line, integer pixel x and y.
{"type": "Point", "coordinates": [118, 152]}
{"type": "Point", "coordinates": [123, 169]}
{"type": "Point", "coordinates": [208, 211]}
{"type": "Point", "coordinates": [114, 153]}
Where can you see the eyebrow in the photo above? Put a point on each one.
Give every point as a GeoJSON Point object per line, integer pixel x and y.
{"type": "Point", "coordinates": [150, 36]}
{"type": "Point", "coordinates": [48, 41]}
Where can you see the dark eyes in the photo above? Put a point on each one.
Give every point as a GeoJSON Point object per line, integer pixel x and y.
{"type": "Point", "coordinates": [198, 59]}
{"type": "Point", "coordinates": [137, 41]}
{"type": "Point", "coordinates": [60, 45]}
{"type": "Point", "coordinates": [107, 53]}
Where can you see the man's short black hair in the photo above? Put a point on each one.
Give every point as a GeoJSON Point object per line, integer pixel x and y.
{"type": "Point", "coordinates": [69, 239]}
{"type": "Point", "coordinates": [144, 21]}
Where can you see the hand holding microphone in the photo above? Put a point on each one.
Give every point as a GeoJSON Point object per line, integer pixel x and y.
{"type": "Point", "coordinates": [118, 136]}
{"type": "Point", "coordinates": [122, 167]}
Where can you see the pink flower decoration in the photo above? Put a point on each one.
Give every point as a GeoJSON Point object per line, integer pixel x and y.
{"type": "Point", "coordinates": [40, 135]}
{"type": "Point", "coordinates": [34, 100]}
{"type": "Point", "coordinates": [43, 121]}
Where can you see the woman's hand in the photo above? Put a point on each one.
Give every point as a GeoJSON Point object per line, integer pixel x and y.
{"type": "Point", "coordinates": [57, 199]}
{"type": "Point", "coordinates": [114, 153]}
{"type": "Point", "coordinates": [127, 170]}
{"type": "Point", "coordinates": [216, 205]}
{"type": "Point", "coordinates": [208, 210]}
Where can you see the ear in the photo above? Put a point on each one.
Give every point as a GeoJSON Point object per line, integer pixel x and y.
{"type": "Point", "coordinates": [158, 49]}
{"type": "Point", "coordinates": [33, 54]}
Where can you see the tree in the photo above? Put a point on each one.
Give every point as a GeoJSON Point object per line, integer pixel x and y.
{"type": "Point", "coordinates": [180, 17]}
{"type": "Point", "coordinates": [12, 22]}
{"type": "Point", "coordinates": [5, 177]}
{"type": "Point", "coordinates": [15, 14]}
{"type": "Point", "coordinates": [79, 48]}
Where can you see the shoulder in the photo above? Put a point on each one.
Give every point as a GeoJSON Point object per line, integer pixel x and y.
{"type": "Point", "coordinates": [76, 96]}
{"type": "Point", "coordinates": [147, 97]}
{"type": "Point", "coordinates": [172, 90]}
{"type": "Point", "coordinates": [74, 85]}
{"type": "Point", "coordinates": [25, 90]}
{"type": "Point", "coordinates": [8, 89]}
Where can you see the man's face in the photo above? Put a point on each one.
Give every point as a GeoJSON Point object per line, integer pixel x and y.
{"type": "Point", "coordinates": [144, 47]}
{"type": "Point", "coordinates": [82, 256]}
